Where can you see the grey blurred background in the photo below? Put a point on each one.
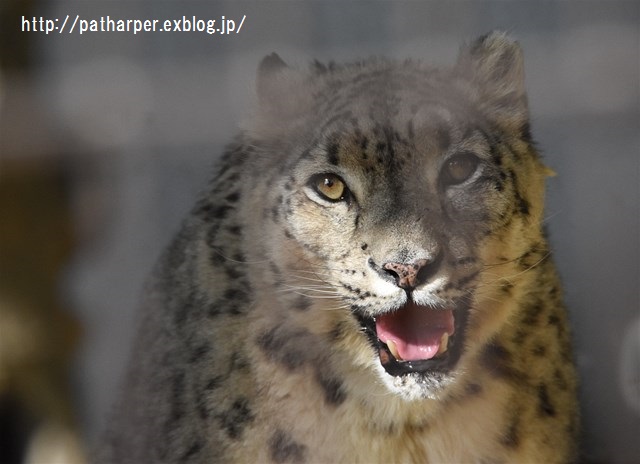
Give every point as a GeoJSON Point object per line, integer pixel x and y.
{"type": "Point", "coordinates": [138, 121]}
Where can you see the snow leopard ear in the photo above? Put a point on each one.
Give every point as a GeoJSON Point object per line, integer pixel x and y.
{"type": "Point", "coordinates": [271, 72]}
{"type": "Point", "coordinates": [268, 70]}
{"type": "Point", "coordinates": [276, 85]}
{"type": "Point", "coordinates": [494, 65]}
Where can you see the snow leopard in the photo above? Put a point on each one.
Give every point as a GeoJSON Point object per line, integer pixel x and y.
{"type": "Point", "coordinates": [366, 278]}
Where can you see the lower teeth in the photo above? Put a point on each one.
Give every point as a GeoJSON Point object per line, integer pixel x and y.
{"type": "Point", "coordinates": [394, 350]}
{"type": "Point", "coordinates": [444, 343]}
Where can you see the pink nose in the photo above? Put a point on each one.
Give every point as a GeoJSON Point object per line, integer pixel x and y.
{"type": "Point", "coordinates": [406, 275]}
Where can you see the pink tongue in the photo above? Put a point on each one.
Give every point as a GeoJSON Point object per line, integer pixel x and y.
{"type": "Point", "coordinates": [416, 330]}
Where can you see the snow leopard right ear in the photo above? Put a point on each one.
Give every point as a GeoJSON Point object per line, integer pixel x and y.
{"type": "Point", "coordinates": [493, 65]}
{"type": "Point", "coordinates": [277, 85]}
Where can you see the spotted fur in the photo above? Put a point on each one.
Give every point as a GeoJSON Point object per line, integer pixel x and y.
{"type": "Point", "coordinates": [254, 344]}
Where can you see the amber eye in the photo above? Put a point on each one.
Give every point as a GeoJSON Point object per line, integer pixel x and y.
{"type": "Point", "coordinates": [460, 168]}
{"type": "Point", "coordinates": [329, 186]}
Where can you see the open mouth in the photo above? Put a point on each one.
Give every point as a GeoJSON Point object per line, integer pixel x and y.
{"type": "Point", "coordinates": [416, 338]}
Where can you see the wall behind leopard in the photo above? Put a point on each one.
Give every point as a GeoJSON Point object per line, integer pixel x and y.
{"type": "Point", "coordinates": [143, 117]}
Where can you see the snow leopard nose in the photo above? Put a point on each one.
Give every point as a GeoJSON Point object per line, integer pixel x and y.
{"type": "Point", "coordinates": [409, 275]}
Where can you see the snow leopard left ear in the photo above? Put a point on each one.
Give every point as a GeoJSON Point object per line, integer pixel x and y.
{"type": "Point", "coordinates": [269, 69]}
{"type": "Point", "coordinates": [494, 66]}
{"type": "Point", "coordinates": [277, 85]}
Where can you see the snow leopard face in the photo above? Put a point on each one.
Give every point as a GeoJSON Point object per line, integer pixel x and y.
{"type": "Point", "coordinates": [404, 200]}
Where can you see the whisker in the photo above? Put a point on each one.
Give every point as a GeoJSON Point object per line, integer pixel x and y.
{"type": "Point", "coordinates": [509, 279]}
{"type": "Point", "coordinates": [314, 297]}
{"type": "Point", "coordinates": [311, 279]}
{"type": "Point", "coordinates": [509, 261]}
{"type": "Point", "coordinates": [330, 292]}
{"type": "Point", "coordinates": [551, 216]}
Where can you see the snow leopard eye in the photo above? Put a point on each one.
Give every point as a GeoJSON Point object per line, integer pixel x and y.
{"type": "Point", "coordinates": [459, 168]}
{"type": "Point", "coordinates": [330, 187]}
